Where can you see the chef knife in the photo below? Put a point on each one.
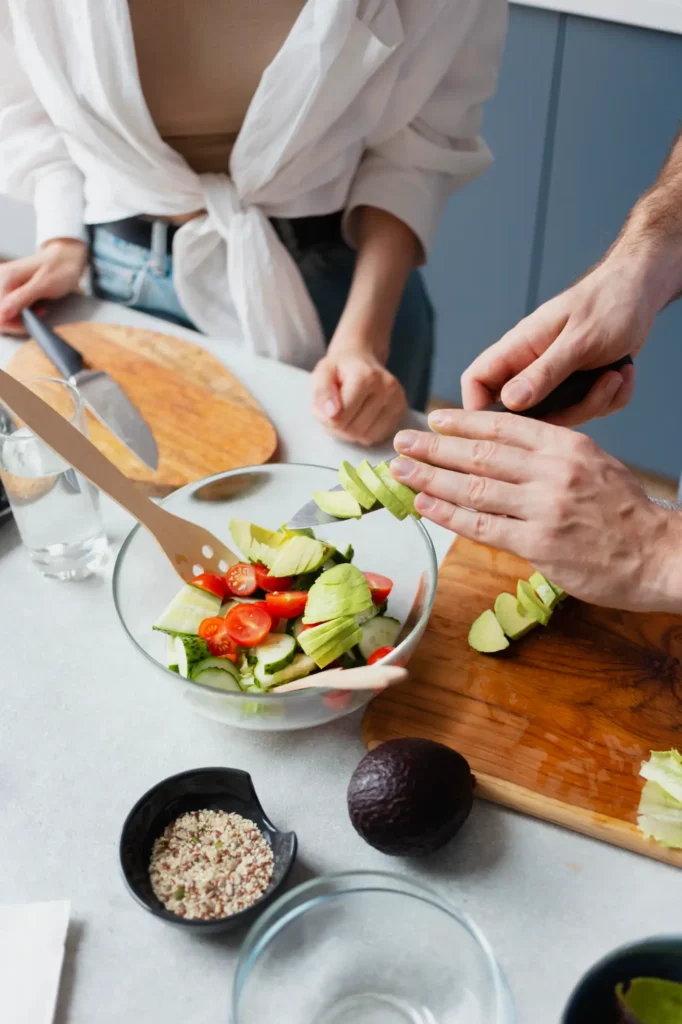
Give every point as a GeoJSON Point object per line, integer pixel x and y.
{"type": "Point", "coordinates": [571, 391]}
{"type": "Point", "coordinates": [102, 395]}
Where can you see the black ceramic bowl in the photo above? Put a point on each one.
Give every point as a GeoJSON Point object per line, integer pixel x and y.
{"type": "Point", "coordinates": [217, 789]}
{"type": "Point", "coordinates": [593, 1001]}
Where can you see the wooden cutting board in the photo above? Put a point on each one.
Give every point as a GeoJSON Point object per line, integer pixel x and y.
{"type": "Point", "coordinates": [203, 419]}
{"type": "Point", "coordinates": [556, 726]}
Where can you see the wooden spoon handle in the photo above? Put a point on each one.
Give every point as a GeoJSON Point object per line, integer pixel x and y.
{"type": "Point", "coordinates": [67, 441]}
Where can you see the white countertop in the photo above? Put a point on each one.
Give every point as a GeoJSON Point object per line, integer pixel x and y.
{"type": "Point", "coordinates": [85, 729]}
{"type": "Point", "coordinates": [663, 15]}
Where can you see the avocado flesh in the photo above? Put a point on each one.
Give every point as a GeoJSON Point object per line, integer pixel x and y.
{"type": "Point", "coordinates": [380, 491]}
{"type": "Point", "coordinates": [255, 542]}
{"type": "Point", "coordinates": [409, 797]}
{"type": "Point", "coordinates": [561, 594]}
{"type": "Point", "coordinates": [299, 555]}
{"type": "Point", "coordinates": [304, 532]}
{"type": "Point", "coordinates": [353, 485]}
{"type": "Point", "coordinates": [318, 636]}
{"type": "Point", "coordinates": [486, 634]}
{"type": "Point", "coordinates": [326, 648]}
{"type": "Point", "coordinates": [340, 591]}
{"type": "Point", "coordinates": [338, 504]}
{"type": "Point", "coordinates": [405, 495]}
{"type": "Point", "coordinates": [650, 1001]}
{"type": "Point", "coordinates": [544, 590]}
{"type": "Point", "coordinates": [514, 623]}
{"type": "Point", "coordinates": [531, 603]}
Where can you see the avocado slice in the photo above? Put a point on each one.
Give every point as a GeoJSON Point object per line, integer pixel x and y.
{"type": "Point", "coordinates": [318, 636]}
{"type": "Point", "coordinates": [338, 503]}
{"type": "Point", "coordinates": [353, 485]}
{"type": "Point", "coordinates": [561, 594]}
{"type": "Point", "coordinates": [380, 491]}
{"type": "Point", "coordinates": [340, 591]}
{"type": "Point", "coordinates": [324, 648]}
{"type": "Point", "coordinates": [514, 623]}
{"type": "Point", "coordinates": [544, 590]}
{"type": "Point", "coordinates": [299, 555]}
{"type": "Point", "coordinates": [405, 495]}
{"type": "Point", "coordinates": [255, 542]}
{"type": "Point", "coordinates": [530, 603]}
{"type": "Point", "coordinates": [486, 634]}
{"type": "Point", "coordinates": [305, 532]}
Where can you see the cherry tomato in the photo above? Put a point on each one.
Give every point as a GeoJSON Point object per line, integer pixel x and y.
{"type": "Point", "coordinates": [211, 627]}
{"type": "Point", "coordinates": [380, 653]}
{"type": "Point", "coordinates": [221, 645]}
{"type": "Point", "coordinates": [270, 583]}
{"type": "Point", "coordinates": [380, 587]}
{"type": "Point", "coordinates": [241, 580]}
{"type": "Point", "coordinates": [311, 625]}
{"type": "Point", "coordinates": [248, 624]}
{"type": "Point", "coordinates": [288, 605]}
{"type": "Point", "coordinates": [213, 584]}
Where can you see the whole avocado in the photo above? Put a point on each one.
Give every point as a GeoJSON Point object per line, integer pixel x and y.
{"type": "Point", "coordinates": [408, 797]}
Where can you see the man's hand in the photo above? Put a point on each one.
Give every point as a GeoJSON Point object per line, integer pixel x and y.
{"type": "Point", "coordinates": [551, 496]}
{"type": "Point", "coordinates": [355, 397]}
{"type": "Point", "coordinates": [52, 272]}
{"type": "Point", "coordinates": [605, 316]}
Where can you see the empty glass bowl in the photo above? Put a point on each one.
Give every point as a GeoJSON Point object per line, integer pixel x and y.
{"type": "Point", "coordinates": [367, 948]}
{"type": "Point", "coordinates": [144, 583]}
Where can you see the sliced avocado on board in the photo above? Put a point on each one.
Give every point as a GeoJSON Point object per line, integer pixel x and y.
{"type": "Point", "coordinates": [531, 603]}
{"type": "Point", "coordinates": [514, 623]}
{"type": "Point", "coordinates": [486, 634]}
{"type": "Point", "coordinates": [544, 589]}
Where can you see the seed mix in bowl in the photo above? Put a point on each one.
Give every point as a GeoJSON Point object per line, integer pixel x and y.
{"type": "Point", "coordinates": [210, 864]}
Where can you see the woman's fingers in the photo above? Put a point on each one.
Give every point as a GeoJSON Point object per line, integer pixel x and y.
{"type": "Point", "coordinates": [465, 489]}
{"type": "Point", "coordinates": [326, 391]}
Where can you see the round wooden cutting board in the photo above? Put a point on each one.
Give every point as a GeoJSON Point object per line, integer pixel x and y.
{"type": "Point", "coordinates": [204, 421]}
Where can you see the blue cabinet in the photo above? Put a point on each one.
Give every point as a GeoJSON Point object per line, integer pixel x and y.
{"type": "Point", "coordinates": [478, 273]}
{"type": "Point", "coordinates": [618, 110]}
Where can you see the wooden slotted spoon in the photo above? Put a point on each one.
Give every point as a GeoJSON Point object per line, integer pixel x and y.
{"type": "Point", "coordinates": [189, 548]}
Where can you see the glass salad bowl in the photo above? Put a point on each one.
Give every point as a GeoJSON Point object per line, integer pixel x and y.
{"type": "Point", "coordinates": [368, 948]}
{"type": "Point", "coordinates": [144, 583]}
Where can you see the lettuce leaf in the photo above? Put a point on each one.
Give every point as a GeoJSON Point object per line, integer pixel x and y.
{"type": "Point", "coordinates": [665, 768]}
{"type": "Point", "coordinates": [659, 815]}
{"type": "Point", "coordinates": [651, 1001]}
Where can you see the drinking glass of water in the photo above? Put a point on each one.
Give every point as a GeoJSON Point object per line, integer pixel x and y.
{"type": "Point", "coordinates": [57, 510]}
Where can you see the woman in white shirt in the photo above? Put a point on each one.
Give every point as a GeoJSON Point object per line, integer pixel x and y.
{"type": "Point", "coordinates": [268, 171]}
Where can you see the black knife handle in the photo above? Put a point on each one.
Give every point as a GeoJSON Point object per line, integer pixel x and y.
{"type": "Point", "coordinates": [67, 360]}
{"type": "Point", "coordinates": [570, 392]}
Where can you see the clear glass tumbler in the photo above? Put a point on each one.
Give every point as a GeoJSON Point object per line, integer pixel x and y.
{"type": "Point", "coordinates": [368, 948]}
{"type": "Point", "coordinates": [56, 510]}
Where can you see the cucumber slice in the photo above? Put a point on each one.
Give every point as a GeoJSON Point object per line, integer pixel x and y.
{"type": "Point", "coordinates": [187, 611]}
{"type": "Point", "coordinates": [171, 657]}
{"type": "Point", "coordinates": [189, 651]}
{"type": "Point", "coordinates": [275, 653]}
{"type": "Point", "coordinates": [300, 667]}
{"type": "Point", "coordinates": [218, 679]}
{"type": "Point", "coordinates": [296, 627]}
{"type": "Point", "coordinates": [371, 613]}
{"type": "Point", "coordinates": [381, 631]}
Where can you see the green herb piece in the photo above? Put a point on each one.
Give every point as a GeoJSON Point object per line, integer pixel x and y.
{"type": "Point", "coordinates": [179, 893]}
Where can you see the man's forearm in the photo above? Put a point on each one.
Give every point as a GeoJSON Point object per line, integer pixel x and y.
{"type": "Point", "coordinates": [388, 251]}
{"type": "Point", "coordinates": [651, 239]}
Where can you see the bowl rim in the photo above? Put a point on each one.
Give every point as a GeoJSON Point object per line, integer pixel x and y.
{"type": "Point", "coordinates": [212, 923]}
{"type": "Point", "coordinates": [300, 696]}
{"type": "Point", "coordinates": [272, 921]}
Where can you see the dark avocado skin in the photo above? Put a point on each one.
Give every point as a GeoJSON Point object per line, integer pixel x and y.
{"type": "Point", "coordinates": [408, 797]}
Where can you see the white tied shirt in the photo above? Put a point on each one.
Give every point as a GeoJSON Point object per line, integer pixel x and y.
{"type": "Point", "coordinates": [368, 103]}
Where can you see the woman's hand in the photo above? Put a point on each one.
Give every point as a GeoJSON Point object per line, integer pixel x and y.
{"type": "Point", "coordinates": [551, 496]}
{"type": "Point", "coordinates": [52, 272]}
{"type": "Point", "coordinates": [355, 397]}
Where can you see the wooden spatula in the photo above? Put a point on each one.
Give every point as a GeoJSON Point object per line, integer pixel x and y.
{"type": "Point", "coordinates": [367, 677]}
{"type": "Point", "coordinates": [190, 548]}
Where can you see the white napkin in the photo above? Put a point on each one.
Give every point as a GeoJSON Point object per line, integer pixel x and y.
{"type": "Point", "coordinates": [32, 937]}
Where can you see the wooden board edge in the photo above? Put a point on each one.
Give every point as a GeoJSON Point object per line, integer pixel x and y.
{"type": "Point", "coordinates": [576, 819]}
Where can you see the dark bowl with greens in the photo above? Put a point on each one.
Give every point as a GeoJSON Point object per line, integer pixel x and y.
{"type": "Point", "coordinates": [636, 984]}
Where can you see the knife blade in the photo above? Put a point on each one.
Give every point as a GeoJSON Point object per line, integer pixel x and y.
{"type": "Point", "coordinates": [571, 391]}
{"type": "Point", "coordinates": [103, 396]}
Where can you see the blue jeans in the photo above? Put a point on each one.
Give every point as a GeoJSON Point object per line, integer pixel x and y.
{"type": "Point", "coordinates": [137, 277]}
